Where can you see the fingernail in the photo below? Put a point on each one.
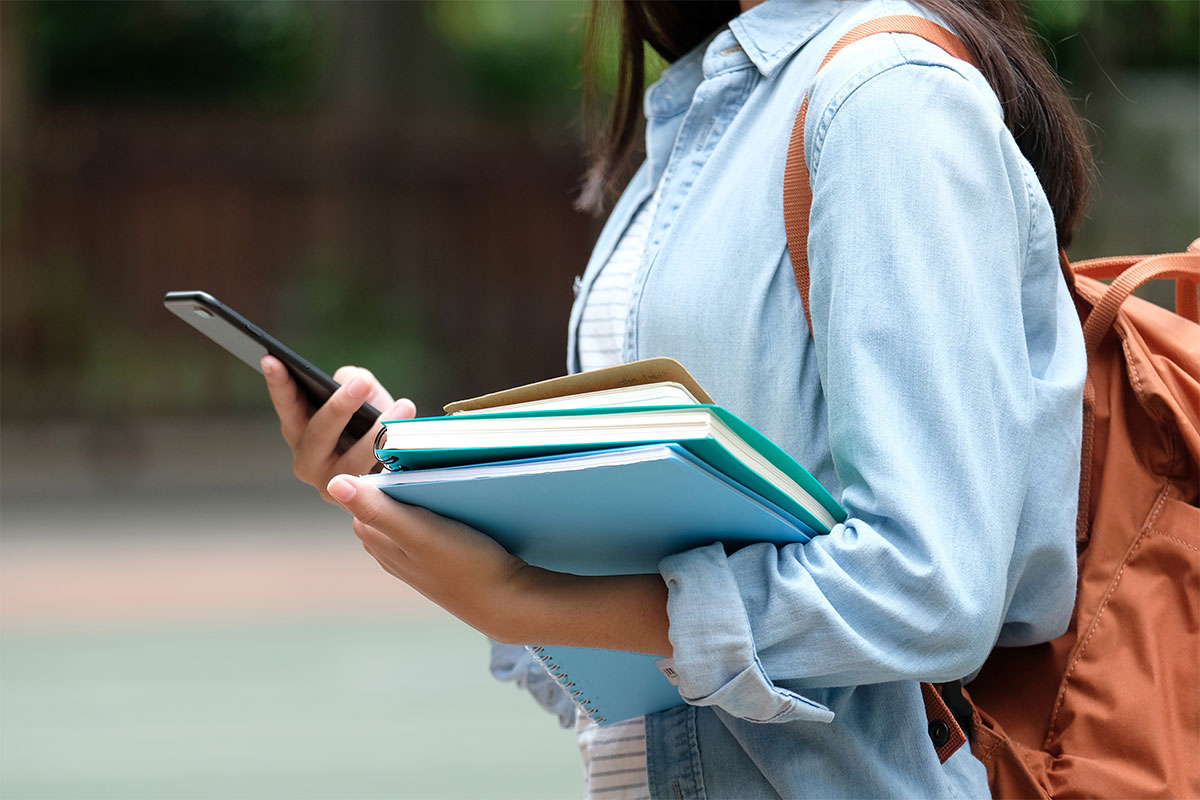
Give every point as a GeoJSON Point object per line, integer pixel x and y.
{"type": "Point", "coordinates": [341, 489]}
{"type": "Point", "coordinates": [358, 388]}
{"type": "Point", "coordinates": [267, 367]}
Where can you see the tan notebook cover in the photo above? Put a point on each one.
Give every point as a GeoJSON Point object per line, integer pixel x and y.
{"type": "Point", "coordinates": [635, 373]}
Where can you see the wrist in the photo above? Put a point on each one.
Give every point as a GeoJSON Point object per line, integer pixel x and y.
{"type": "Point", "coordinates": [523, 613]}
{"type": "Point", "coordinates": [611, 612]}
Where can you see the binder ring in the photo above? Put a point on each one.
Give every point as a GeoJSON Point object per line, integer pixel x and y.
{"type": "Point", "coordinates": [387, 461]}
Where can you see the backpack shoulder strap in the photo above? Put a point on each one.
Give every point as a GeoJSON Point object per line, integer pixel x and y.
{"type": "Point", "coordinates": [797, 193]}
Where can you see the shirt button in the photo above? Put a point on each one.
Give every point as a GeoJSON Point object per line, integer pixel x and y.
{"type": "Point", "coordinates": [939, 732]}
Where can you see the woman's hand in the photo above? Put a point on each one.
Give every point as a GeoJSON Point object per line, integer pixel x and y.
{"type": "Point", "coordinates": [498, 594]}
{"type": "Point", "coordinates": [315, 437]}
{"type": "Point", "coordinates": [452, 564]}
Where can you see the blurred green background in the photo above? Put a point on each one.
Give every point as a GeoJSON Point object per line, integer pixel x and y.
{"type": "Point", "coordinates": [383, 184]}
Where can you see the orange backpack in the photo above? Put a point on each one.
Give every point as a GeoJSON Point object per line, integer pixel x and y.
{"type": "Point", "coordinates": [1112, 707]}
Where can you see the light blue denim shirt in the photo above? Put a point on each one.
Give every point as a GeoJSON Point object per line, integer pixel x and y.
{"type": "Point", "coordinates": [938, 397]}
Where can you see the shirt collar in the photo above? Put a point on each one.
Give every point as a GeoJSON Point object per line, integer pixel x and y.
{"type": "Point", "coordinates": [767, 34]}
{"type": "Point", "coordinates": [671, 94]}
{"type": "Point", "coordinates": [772, 31]}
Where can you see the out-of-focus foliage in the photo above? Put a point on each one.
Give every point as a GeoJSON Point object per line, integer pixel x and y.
{"type": "Point", "coordinates": [182, 52]}
{"type": "Point", "coordinates": [526, 54]}
{"type": "Point", "coordinates": [1087, 37]}
{"type": "Point", "coordinates": [514, 57]}
{"type": "Point", "coordinates": [330, 309]}
{"type": "Point", "coordinates": [509, 57]}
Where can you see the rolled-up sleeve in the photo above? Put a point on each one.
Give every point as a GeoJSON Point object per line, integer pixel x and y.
{"type": "Point", "coordinates": [714, 649]}
{"type": "Point", "coordinates": [918, 242]}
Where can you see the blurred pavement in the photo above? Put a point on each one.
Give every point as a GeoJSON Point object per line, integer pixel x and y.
{"type": "Point", "coordinates": [185, 620]}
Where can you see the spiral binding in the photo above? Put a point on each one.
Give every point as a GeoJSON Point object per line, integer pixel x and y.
{"type": "Point", "coordinates": [564, 680]}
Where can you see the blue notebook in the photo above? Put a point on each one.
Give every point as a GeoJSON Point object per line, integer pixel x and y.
{"type": "Point", "coordinates": [601, 512]}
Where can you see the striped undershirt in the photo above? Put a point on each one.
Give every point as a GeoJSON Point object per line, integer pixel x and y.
{"type": "Point", "coordinates": [614, 759]}
{"type": "Point", "coordinates": [602, 326]}
{"type": "Point", "coordinates": [614, 756]}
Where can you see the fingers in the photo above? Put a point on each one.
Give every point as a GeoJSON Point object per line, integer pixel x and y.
{"type": "Point", "coordinates": [382, 549]}
{"type": "Point", "coordinates": [373, 509]}
{"type": "Point", "coordinates": [290, 405]}
{"type": "Point", "coordinates": [324, 429]}
{"type": "Point", "coordinates": [358, 499]}
{"type": "Point", "coordinates": [401, 409]}
{"type": "Point", "coordinates": [379, 396]}
{"type": "Point", "coordinates": [319, 449]}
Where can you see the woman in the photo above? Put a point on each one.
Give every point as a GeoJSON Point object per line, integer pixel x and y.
{"type": "Point", "coordinates": [938, 395]}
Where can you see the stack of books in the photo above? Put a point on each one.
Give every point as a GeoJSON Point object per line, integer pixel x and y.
{"type": "Point", "coordinates": [605, 473]}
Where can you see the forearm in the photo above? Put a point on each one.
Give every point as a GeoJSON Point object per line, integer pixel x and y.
{"type": "Point", "coordinates": [477, 580]}
{"type": "Point", "coordinates": [612, 612]}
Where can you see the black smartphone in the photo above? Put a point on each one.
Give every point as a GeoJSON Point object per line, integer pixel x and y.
{"type": "Point", "coordinates": [250, 343]}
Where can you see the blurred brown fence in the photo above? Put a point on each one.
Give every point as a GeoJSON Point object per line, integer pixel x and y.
{"type": "Point", "coordinates": [441, 252]}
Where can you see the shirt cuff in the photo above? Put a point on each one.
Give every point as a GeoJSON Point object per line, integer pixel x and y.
{"type": "Point", "coordinates": [714, 654]}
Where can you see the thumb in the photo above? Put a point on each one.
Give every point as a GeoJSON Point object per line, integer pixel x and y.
{"type": "Point", "coordinates": [357, 498]}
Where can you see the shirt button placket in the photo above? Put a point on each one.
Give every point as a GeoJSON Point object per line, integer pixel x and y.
{"type": "Point", "coordinates": [714, 104]}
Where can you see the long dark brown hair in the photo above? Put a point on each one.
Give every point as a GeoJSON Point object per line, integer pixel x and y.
{"type": "Point", "coordinates": [1036, 109]}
